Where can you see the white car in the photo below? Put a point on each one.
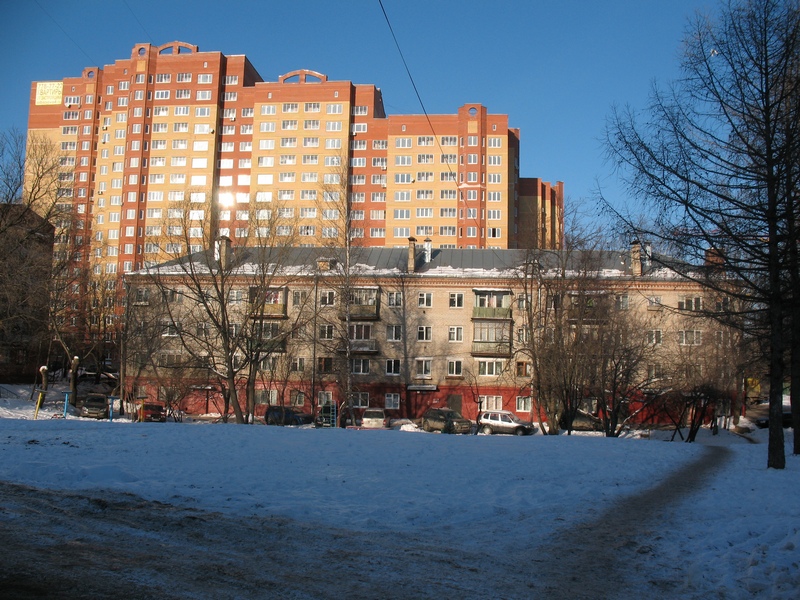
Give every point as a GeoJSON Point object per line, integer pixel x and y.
{"type": "Point", "coordinates": [374, 418]}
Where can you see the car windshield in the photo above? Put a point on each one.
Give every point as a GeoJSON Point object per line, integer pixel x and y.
{"type": "Point", "coordinates": [96, 401]}
{"type": "Point", "coordinates": [373, 414]}
{"type": "Point", "coordinates": [152, 407]}
{"type": "Point", "coordinates": [452, 414]}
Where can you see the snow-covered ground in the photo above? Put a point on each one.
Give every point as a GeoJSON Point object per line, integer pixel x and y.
{"type": "Point", "coordinates": [734, 534]}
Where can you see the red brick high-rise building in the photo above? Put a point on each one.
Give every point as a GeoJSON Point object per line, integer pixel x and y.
{"type": "Point", "coordinates": [175, 131]}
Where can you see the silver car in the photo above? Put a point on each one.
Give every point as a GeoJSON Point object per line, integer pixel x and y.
{"type": "Point", "coordinates": [504, 421]}
{"type": "Point", "coordinates": [374, 418]}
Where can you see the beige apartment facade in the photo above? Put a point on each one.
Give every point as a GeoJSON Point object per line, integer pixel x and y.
{"type": "Point", "coordinates": [410, 329]}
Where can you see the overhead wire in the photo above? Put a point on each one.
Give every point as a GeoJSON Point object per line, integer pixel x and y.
{"type": "Point", "coordinates": [147, 33]}
{"type": "Point", "coordinates": [419, 99]}
{"type": "Point", "coordinates": [69, 37]}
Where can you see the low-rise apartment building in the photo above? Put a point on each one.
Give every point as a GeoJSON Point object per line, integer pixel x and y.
{"type": "Point", "coordinates": [407, 329]}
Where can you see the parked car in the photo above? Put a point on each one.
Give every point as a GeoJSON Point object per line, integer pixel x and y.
{"type": "Point", "coordinates": [504, 421]}
{"type": "Point", "coordinates": [152, 412]}
{"type": "Point", "coordinates": [445, 420]}
{"type": "Point", "coordinates": [374, 418]}
{"type": "Point", "coordinates": [95, 406]}
{"type": "Point", "coordinates": [281, 415]}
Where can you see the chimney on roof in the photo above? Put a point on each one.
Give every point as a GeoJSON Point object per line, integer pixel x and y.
{"type": "Point", "coordinates": [412, 254]}
{"type": "Point", "coordinates": [714, 257]}
{"type": "Point", "coordinates": [223, 252]}
{"type": "Point", "coordinates": [636, 258]}
{"type": "Point", "coordinates": [428, 250]}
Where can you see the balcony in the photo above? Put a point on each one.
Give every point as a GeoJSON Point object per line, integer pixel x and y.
{"type": "Point", "coordinates": [271, 311]}
{"type": "Point", "coordinates": [361, 312]}
{"type": "Point", "coordinates": [360, 347]}
{"type": "Point", "coordinates": [268, 345]}
{"type": "Point", "coordinates": [502, 348]}
{"type": "Point", "coordinates": [491, 312]}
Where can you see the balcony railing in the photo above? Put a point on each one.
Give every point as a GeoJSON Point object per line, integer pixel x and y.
{"type": "Point", "coordinates": [268, 345]}
{"type": "Point", "coordinates": [272, 310]}
{"type": "Point", "coordinates": [361, 346]}
{"type": "Point", "coordinates": [502, 348]}
{"type": "Point", "coordinates": [361, 312]}
{"type": "Point", "coordinates": [491, 312]}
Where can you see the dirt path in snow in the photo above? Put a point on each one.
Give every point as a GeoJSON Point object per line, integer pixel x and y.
{"type": "Point", "coordinates": [99, 545]}
{"type": "Point", "coordinates": [619, 549]}
{"type": "Point", "coordinates": [104, 545]}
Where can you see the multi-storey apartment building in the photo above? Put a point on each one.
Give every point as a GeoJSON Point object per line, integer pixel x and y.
{"type": "Point", "coordinates": [409, 329]}
{"type": "Point", "coordinates": [175, 134]}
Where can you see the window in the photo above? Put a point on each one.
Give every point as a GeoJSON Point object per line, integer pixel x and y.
{"type": "Point", "coordinates": [456, 300]}
{"type": "Point", "coordinates": [654, 337]}
{"type": "Point", "coordinates": [394, 333]}
{"type": "Point", "coordinates": [360, 399]}
{"type": "Point", "coordinates": [490, 367]}
{"type": "Point", "coordinates": [621, 302]}
{"type": "Point", "coordinates": [655, 371]}
{"type": "Point", "coordinates": [392, 401]}
{"type": "Point", "coordinates": [654, 302]}
{"type": "Point", "coordinates": [491, 402]}
{"type": "Point", "coordinates": [690, 337]}
{"type": "Point", "coordinates": [425, 299]}
{"type": "Point", "coordinates": [454, 368]}
{"type": "Point", "coordinates": [326, 332]}
{"type": "Point", "coordinates": [690, 303]}
{"type": "Point", "coordinates": [523, 403]}
{"type": "Point", "coordinates": [402, 142]}
{"type": "Point", "coordinates": [393, 366]}
{"type": "Point", "coordinates": [424, 333]}
{"type": "Point", "coordinates": [359, 366]}
{"type": "Point", "coordinates": [325, 365]}
{"type": "Point", "coordinates": [324, 398]}
{"type": "Point", "coordinates": [455, 334]}
{"type": "Point", "coordinates": [394, 298]}
{"type": "Point", "coordinates": [327, 298]}
{"type": "Point", "coordinates": [423, 368]}
{"type": "Point", "coordinates": [523, 369]}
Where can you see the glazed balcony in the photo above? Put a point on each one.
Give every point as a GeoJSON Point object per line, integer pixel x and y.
{"type": "Point", "coordinates": [491, 312]}
{"type": "Point", "coordinates": [502, 348]}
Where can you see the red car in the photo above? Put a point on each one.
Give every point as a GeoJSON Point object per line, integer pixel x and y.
{"type": "Point", "coordinates": [153, 412]}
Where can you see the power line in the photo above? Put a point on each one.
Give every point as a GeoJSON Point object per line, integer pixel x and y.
{"type": "Point", "coordinates": [138, 21]}
{"type": "Point", "coordinates": [77, 45]}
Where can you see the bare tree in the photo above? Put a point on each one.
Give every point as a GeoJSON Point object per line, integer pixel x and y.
{"type": "Point", "coordinates": [219, 304]}
{"type": "Point", "coordinates": [716, 162]}
{"type": "Point", "coordinates": [30, 211]}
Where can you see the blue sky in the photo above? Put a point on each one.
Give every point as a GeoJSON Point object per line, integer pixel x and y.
{"type": "Point", "coordinates": [555, 68]}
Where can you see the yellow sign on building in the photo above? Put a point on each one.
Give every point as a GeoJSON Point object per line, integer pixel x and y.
{"type": "Point", "coordinates": [49, 92]}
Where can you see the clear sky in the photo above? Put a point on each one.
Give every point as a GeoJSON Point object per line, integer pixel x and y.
{"type": "Point", "coordinates": [555, 67]}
